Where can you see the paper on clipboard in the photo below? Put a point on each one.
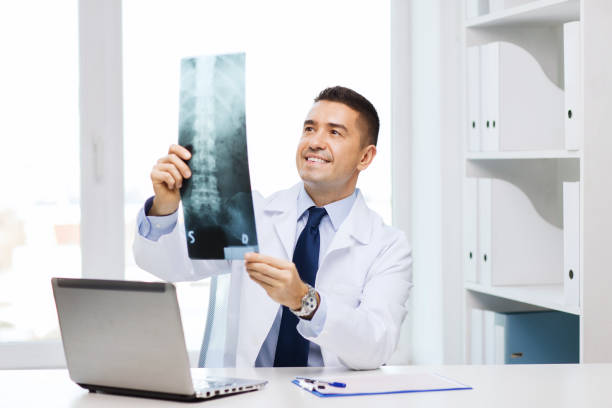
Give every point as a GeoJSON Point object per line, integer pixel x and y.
{"type": "Point", "coordinates": [381, 384]}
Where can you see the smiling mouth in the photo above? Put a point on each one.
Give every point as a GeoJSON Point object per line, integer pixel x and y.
{"type": "Point", "coordinates": [317, 160]}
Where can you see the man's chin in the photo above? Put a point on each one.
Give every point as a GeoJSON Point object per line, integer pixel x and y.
{"type": "Point", "coordinates": [315, 182]}
{"type": "Point", "coordinates": [313, 177]}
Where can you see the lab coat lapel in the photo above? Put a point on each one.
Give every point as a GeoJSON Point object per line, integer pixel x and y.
{"type": "Point", "coordinates": [356, 228]}
{"type": "Point", "coordinates": [283, 210]}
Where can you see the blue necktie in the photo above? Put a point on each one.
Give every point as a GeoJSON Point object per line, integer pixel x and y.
{"type": "Point", "coordinates": [291, 348]}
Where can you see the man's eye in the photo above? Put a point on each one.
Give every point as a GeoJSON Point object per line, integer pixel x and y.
{"type": "Point", "coordinates": [335, 132]}
{"type": "Point", "coordinates": [308, 129]}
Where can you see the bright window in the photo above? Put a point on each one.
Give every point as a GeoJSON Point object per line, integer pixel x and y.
{"type": "Point", "coordinates": [39, 129]}
{"type": "Point", "coordinates": [294, 50]}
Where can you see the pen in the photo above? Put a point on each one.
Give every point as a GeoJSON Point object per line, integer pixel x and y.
{"type": "Point", "coordinates": [313, 381]}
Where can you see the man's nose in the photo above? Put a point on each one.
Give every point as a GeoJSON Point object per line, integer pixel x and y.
{"type": "Point", "coordinates": [317, 141]}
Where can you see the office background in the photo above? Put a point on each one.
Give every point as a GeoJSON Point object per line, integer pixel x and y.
{"type": "Point", "coordinates": [90, 96]}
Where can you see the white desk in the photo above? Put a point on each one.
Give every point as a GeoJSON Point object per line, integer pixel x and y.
{"type": "Point", "coordinates": [555, 386]}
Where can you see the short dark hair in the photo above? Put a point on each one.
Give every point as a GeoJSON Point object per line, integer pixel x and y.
{"type": "Point", "coordinates": [357, 102]}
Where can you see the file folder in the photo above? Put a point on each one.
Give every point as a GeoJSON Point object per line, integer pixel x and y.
{"type": "Point", "coordinates": [528, 338]}
{"type": "Point", "coordinates": [476, 336]}
{"type": "Point", "coordinates": [470, 230]}
{"type": "Point", "coordinates": [541, 337]}
{"type": "Point", "coordinates": [493, 338]}
{"type": "Point", "coordinates": [489, 96]}
{"type": "Point", "coordinates": [489, 336]}
{"type": "Point", "coordinates": [496, 5]}
{"type": "Point", "coordinates": [571, 243]}
{"type": "Point", "coordinates": [484, 231]}
{"type": "Point", "coordinates": [474, 124]}
{"type": "Point", "coordinates": [379, 384]}
{"type": "Point", "coordinates": [499, 5]}
{"type": "Point", "coordinates": [521, 108]}
{"type": "Point", "coordinates": [571, 61]}
{"type": "Point", "coordinates": [500, 338]}
{"type": "Point", "coordinates": [517, 246]}
{"type": "Point", "coordinates": [475, 8]}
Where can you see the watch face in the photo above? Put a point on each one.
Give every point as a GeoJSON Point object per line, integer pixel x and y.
{"type": "Point", "coordinates": [309, 303]}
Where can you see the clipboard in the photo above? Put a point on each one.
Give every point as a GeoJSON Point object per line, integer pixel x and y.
{"type": "Point", "coordinates": [378, 384]}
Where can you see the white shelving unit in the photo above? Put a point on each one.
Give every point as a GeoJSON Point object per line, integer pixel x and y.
{"type": "Point", "coordinates": [548, 297]}
{"type": "Point", "coordinates": [537, 13]}
{"type": "Point", "coordinates": [537, 27]}
{"type": "Point", "coordinates": [520, 155]}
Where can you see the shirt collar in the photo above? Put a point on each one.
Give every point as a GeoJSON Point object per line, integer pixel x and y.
{"type": "Point", "coordinates": [337, 211]}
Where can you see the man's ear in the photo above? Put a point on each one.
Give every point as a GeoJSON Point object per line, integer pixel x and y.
{"type": "Point", "coordinates": [367, 155]}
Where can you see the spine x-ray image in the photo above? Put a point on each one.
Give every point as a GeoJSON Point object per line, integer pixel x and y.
{"type": "Point", "coordinates": [217, 200]}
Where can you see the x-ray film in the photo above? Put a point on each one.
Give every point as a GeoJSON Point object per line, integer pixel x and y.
{"type": "Point", "coordinates": [217, 199]}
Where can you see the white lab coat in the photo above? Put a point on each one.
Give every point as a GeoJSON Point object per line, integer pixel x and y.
{"type": "Point", "coordinates": [365, 277]}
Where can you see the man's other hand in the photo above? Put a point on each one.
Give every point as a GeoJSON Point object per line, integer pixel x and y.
{"type": "Point", "coordinates": [279, 278]}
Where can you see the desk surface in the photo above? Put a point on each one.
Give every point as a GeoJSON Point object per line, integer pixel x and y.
{"type": "Point", "coordinates": [499, 386]}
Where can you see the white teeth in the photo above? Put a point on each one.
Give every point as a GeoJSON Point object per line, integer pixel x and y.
{"type": "Point", "coordinates": [316, 160]}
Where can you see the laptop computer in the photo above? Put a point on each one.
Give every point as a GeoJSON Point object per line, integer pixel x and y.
{"type": "Point", "coordinates": [126, 337]}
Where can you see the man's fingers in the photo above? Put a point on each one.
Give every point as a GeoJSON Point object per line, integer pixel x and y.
{"type": "Point", "coordinates": [261, 258]}
{"type": "Point", "coordinates": [169, 168]}
{"type": "Point", "coordinates": [180, 164]}
{"type": "Point", "coordinates": [264, 269]}
{"type": "Point", "coordinates": [159, 177]}
{"type": "Point", "coordinates": [261, 283]}
{"type": "Point", "coordinates": [177, 162]}
{"type": "Point", "coordinates": [260, 277]}
{"type": "Point", "coordinates": [180, 151]}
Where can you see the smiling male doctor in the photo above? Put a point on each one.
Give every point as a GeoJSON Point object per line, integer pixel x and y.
{"type": "Point", "coordinates": [330, 283]}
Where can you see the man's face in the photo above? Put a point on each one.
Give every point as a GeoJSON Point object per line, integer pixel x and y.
{"type": "Point", "coordinates": [331, 148]}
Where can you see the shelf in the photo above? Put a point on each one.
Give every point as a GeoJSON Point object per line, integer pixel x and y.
{"type": "Point", "coordinates": [535, 13]}
{"type": "Point", "coordinates": [514, 155]}
{"type": "Point", "coordinates": [546, 296]}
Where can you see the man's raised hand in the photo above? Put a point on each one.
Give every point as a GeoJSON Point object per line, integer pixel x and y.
{"type": "Point", "coordinates": [167, 177]}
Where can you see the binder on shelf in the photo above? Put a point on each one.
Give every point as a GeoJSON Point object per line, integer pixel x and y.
{"type": "Point", "coordinates": [517, 246]}
{"type": "Point", "coordinates": [540, 337]}
{"type": "Point", "coordinates": [571, 243]}
{"type": "Point", "coordinates": [484, 230]}
{"type": "Point", "coordinates": [476, 336]}
{"type": "Point", "coordinates": [489, 66]}
{"type": "Point", "coordinates": [473, 94]}
{"type": "Point", "coordinates": [489, 336]}
{"type": "Point", "coordinates": [498, 5]}
{"type": "Point", "coordinates": [500, 338]}
{"type": "Point", "coordinates": [521, 108]}
{"type": "Point", "coordinates": [470, 230]}
{"type": "Point", "coordinates": [475, 8]}
{"type": "Point", "coordinates": [571, 62]}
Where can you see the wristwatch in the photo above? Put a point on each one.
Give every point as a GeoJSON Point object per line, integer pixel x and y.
{"type": "Point", "coordinates": [309, 303]}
